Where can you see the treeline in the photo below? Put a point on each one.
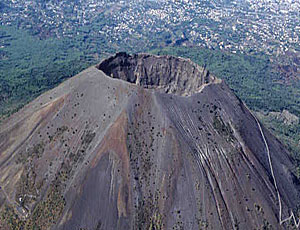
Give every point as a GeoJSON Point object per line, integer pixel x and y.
{"type": "Point", "coordinates": [32, 66]}
{"type": "Point", "coordinates": [14, 94]}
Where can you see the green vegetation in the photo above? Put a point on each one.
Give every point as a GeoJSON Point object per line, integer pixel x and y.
{"type": "Point", "coordinates": [222, 128]}
{"type": "Point", "coordinates": [289, 134]}
{"type": "Point", "coordinates": [30, 66]}
{"type": "Point", "coordinates": [47, 212]}
{"type": "Point", "coordinates": [44, 215]}
{"type": "Point", "coordinates": [10, 220]}
{"type": "Point", "coordinates": [156, 222]}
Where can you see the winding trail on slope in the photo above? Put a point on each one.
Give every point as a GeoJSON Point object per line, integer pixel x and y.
{"type": "Point", "coordinates": [292, 216]}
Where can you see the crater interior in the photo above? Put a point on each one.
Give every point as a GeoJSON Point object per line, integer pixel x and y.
{"type": "Point", "coordinates": [167, 73]}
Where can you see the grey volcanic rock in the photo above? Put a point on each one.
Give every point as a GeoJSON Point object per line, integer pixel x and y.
{"type": "Point", "coordinates": [142, 142]}
{"type": "Point", "coordinates": [286, 117]}
{"type": "Point", "coordinates": [167, 74]}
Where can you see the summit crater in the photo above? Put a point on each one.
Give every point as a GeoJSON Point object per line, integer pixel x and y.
{"type": "Point", "coordinates": [168, 74]}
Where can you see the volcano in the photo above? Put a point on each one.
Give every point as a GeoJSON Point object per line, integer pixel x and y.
{"type": "Point", "coordinates": [143, 142]}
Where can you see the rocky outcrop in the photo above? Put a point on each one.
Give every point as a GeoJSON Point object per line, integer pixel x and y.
{"type": "Point", "coordinates": [167, 74]}
{"type": "Point", "coordinates": [142, 142]}
{"type": "Point", "coordinates": [286, 117]}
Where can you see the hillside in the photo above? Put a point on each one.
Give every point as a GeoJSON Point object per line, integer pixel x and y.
{"type": "Point", "coordinates": [143, 142]}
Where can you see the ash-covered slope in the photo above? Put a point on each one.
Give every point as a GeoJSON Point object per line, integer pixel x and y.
{"type": "Point", "coordinates": [142, 142]}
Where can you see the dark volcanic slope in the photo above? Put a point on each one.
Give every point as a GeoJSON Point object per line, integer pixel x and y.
{"type": "Point", "coordinates": [171, 147]}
